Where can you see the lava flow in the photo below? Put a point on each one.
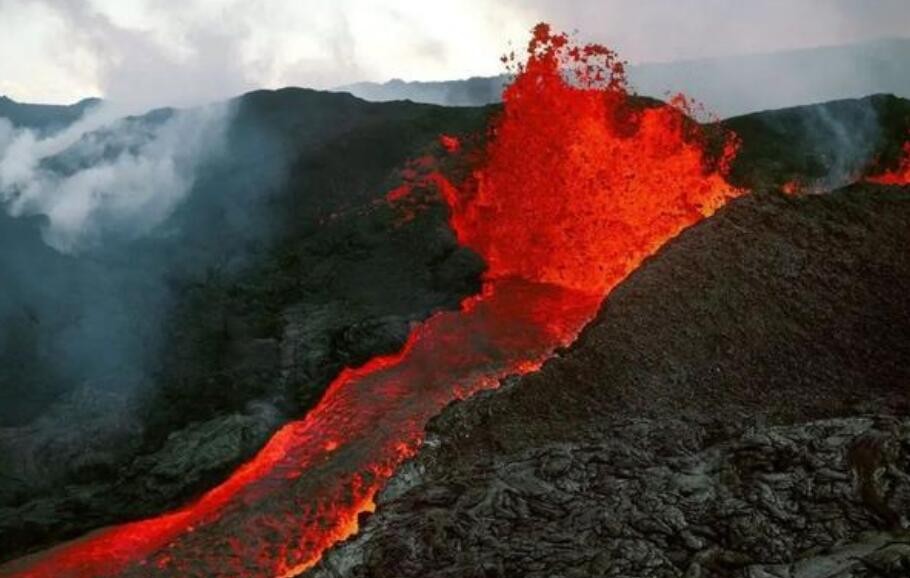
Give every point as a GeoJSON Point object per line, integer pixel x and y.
{"type": "Point", "coordinates": [578, 184]}
{"type": "Point", "coordinates": [897, 176]}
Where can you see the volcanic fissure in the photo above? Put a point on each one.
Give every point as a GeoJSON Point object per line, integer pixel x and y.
{"type": "Point", "coordinates": [578, 183]}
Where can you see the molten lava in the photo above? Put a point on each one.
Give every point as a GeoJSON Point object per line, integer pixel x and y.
{"type": "Point", "coordinates": [579, 183]}
{"type": "Point", "coordinates": [305, 490]}
{"type": "Point", "coordinates": [898, 176]}
{"type": "Point", "coordinates": [792, 188]}
{"type": "Point", "coordinates": [581, 180]}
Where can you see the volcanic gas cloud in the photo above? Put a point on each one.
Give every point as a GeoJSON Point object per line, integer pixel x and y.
{"type": "Point", "coordinates": [578, 183]}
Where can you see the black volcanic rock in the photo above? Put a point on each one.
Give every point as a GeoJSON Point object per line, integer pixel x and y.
{"type": "Point", "coordinates": [283, 265]}
{"type": "Point", "coordinates": [656, 498]}
{"type": "Point", "coordinates": [820, 147]}
{"type": "Point", "coordinates": [739, 408]}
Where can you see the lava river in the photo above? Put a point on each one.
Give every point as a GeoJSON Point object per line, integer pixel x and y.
{"type": "Point", "coordinates": [578, 183]}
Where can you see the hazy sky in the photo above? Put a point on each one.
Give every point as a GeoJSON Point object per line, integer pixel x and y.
{"type": "Point", "coordinates": [157, 52]}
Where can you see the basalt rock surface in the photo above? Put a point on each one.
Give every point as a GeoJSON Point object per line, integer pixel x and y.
{"type": "Point", "coordinates": [739, 408]}
{"type": "Point", "coordinates": [662, 498]}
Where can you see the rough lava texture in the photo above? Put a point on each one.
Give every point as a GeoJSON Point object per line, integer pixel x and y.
{"type": "Point", "coordinates": [738, 409]}
{"type": "Point", "coordinates": [776, 312]}
{"type": "Point", "coordinates": [657, 498]}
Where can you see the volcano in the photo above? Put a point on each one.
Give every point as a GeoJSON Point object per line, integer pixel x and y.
{"type": "Point", "coordinates": [616, 165]}
{"type": "Point", "coordinates": [665, 245]}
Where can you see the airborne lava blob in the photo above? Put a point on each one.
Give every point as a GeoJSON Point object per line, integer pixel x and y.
{"type": "Point", "coordinates": [579, 183]}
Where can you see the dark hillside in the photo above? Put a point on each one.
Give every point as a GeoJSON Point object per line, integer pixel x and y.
{"type": "Point", "coordinates": [282, 266]}
{"type": "Point", "coordinates": [680, 434]}
{"type": "Point", "coordinates": [819, 147]}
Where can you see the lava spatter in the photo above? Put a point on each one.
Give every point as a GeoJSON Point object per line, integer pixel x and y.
{"type": "Point", "coordinates": [579, 183]}
{"type": "Point", "coordinates": [581, 179]}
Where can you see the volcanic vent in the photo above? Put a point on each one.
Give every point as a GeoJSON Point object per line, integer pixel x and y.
{"type": "Point", "coordinates": [578, 183]}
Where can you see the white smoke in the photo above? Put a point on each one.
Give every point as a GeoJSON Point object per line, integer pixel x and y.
{"type": "Point", "coordinates": [7, 134]}
{"type": "Point", "coordinates": [107, 176]}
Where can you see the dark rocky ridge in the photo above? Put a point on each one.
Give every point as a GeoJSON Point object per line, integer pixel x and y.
{"type": "Point", "coordinates": [656, 498]}
{"type": "Point", "coordinates": [727, 86]}
{"type": "Point", "coordinates": [284, 265]}
{"type": "Point", "coordinates": [44, 118]}
{"type": "Point", "coordinates": [822, 146]}
{"type": "Point", "coordinates": [738, 408]}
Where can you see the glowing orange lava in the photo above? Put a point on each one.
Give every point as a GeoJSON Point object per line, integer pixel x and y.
{"type": "Point", "coordinates": [581, 181]}
{"type": "Point", "coordinates": [578, 185]}
{"type": "Point", "coordinates": [792, 188]}
{"type": "Point", "coordinates": [898, 176]}
{"type": "Point", "coordinates": [306, 488]}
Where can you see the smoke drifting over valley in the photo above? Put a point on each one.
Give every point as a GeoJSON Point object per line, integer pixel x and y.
{"type": "Point", "coordinates": [85, 293]}
{"type": "Point", "coordinates": [193, 254]}
{"type": "Point", "coordinates": [102, 178]}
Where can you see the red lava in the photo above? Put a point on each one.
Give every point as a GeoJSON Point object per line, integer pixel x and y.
{"type": "Point", "coordinates": [579, 183]}
{"type": "Point", "coordinates": [897, 176]}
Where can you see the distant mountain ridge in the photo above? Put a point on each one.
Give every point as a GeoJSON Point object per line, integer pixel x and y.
{"type": "Point", "coordinates": [44, 117]}
{"type": "Point", "coordinates": [727, 86]}
{"type": "Point", "coordinates": [474, 91]}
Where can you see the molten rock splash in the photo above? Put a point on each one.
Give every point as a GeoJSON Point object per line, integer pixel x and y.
{"type": "Point", "coordinates": [581, 180]}
{"type": "Point", "coordinates": [579, 183]}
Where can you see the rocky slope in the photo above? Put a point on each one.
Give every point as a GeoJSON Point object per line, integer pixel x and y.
{"type": "Point", "coordinates": [819, 147]}
{"type": "Point", "coordinates": [282, 266]}
{"type": "Point", "coordinates": [661, 498]}
{"type": "Point", "coordinates": [285, 266]}
{"type": "Point", "coordinates": [738, 408]}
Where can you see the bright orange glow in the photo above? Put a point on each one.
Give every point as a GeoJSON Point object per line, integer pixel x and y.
{"type": "Point", "coordinates": [450, 143]}
{"type": "Point", "coordinates": [581, 183]}
{"type": "Point", "coordinates": [792, 188]}
{"type": "Point", "coordinates": [577, 186]}
{"type": "Point", "coordinates": [898, 176]}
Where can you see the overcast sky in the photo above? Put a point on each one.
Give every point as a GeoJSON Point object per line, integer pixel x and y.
{"type": "Point", "coordinates": [157, 52]}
